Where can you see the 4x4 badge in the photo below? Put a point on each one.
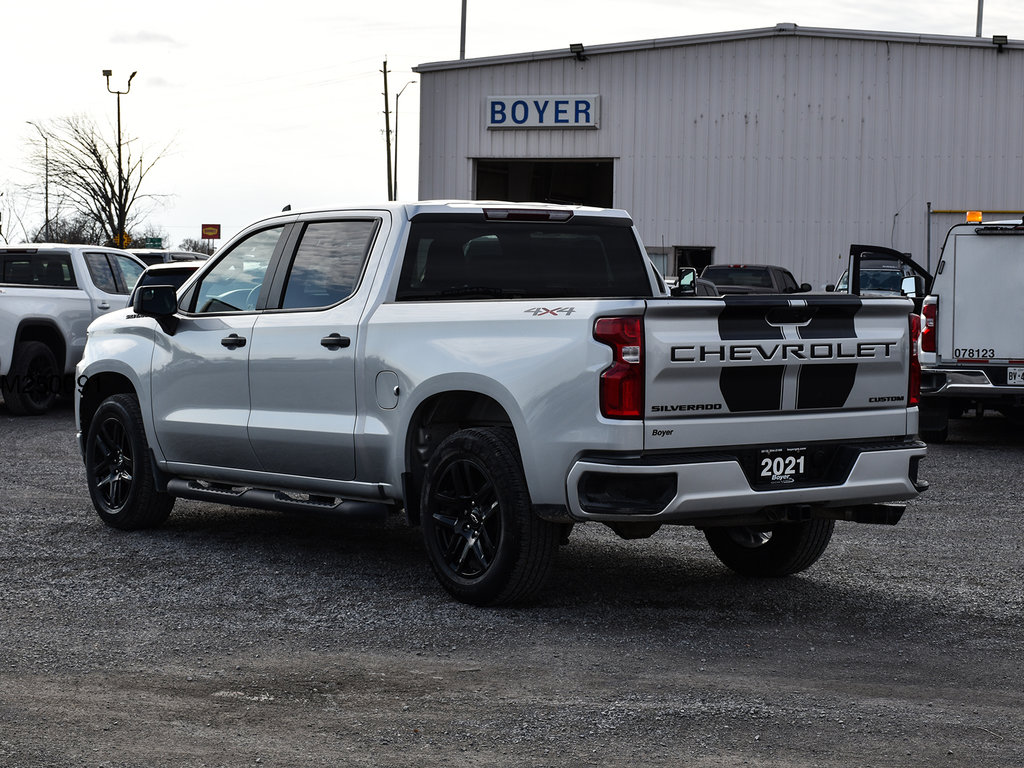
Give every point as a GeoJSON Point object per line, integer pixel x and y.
{"type": "Point", "coordinates": [538, 311]}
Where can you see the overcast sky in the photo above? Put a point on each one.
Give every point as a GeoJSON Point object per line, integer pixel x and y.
{"type": "Point", "coordinates": [265, 104]}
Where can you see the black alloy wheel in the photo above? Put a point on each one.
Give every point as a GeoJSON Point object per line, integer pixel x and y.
{"type": "Point", "coordinates": [485, 544]}
{"type": "Point", "coordinates": [118, 469]}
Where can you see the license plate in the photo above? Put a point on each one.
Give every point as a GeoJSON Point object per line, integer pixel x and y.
{"type": "Point", "coordinates": [782, 466]}
{"type": "Point", "coordinates": [1015, 377]}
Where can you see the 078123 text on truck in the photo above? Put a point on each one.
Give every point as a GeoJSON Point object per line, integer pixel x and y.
{"type": "Point", "coordinates": [500, 373]}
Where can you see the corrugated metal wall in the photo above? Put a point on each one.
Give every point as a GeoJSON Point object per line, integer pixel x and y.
{"type": "Point", "coordinates": [774, 148]}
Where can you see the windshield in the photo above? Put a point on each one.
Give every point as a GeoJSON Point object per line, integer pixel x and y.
{"type": "Point", "coordinates": [875, 281]}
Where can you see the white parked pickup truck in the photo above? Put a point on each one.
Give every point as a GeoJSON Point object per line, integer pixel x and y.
{"type": "Point", "coordinates": [49, 293]}
{"type": "Point", "coordinates": [500, 372]}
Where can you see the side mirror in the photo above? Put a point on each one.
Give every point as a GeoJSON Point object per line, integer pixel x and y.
{"type": "Point", "coordinates": [155, 301]}
{"type": "Point", "coordinates": [830, 288]}
{"type": "Point", "coordinates": [687, 285]}
{"type": "Point", "coordinates": [805, 287]}
{"type": "Point", "coordinates": [909, 285]}
{"type": "Point", "coordinates": [159, 302]}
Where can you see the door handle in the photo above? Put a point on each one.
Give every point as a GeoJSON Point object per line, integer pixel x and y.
{"type": "Point", "coordinates": [335, 341]}
{"type": "Point", "coordinates": [103, 305]}
{"type": "Point", "coordinates": [233, 341]}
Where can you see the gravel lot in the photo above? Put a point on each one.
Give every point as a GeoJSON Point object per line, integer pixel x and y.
{"type": "Point", "coordinates": [243, 638]}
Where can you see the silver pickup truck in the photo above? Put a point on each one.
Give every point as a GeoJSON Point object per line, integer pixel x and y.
{"type": "Point", "coordinates": [500, 372]}
{"type": "Point", "coordinates": [48, 296]}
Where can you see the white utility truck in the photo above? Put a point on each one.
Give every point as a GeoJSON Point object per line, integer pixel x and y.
{"type": "Point", "coordinates": [972, 339]}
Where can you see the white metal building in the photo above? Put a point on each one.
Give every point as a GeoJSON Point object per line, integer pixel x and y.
{"type": "Point", "coordinates": [781, 145]}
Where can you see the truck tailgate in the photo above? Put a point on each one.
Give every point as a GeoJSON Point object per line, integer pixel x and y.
{"type": "Point", "coordinates": [759, 369]}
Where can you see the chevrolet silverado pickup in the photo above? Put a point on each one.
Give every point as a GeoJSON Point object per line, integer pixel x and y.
{"type": "Point", "coordinates": [48, 296]}
{"type": "Point", "coordinates": [500, 372]}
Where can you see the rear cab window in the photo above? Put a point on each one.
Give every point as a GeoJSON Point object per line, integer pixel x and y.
{"type": "Point", "coordinates": [472, 257]}
{"type": "Point", "coordinates": [41, 269]}
{"type": "Point", "coordinates": [752, 277]}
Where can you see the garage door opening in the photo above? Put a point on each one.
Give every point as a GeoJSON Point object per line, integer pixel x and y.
{"type": "Point", "coordinates": [575, 182]}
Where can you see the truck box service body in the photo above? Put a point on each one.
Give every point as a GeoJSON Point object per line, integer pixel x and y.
{"type": "Point", "coordinates": [972, 348]}
{"type": "Point", "coordinates": [500, 372]}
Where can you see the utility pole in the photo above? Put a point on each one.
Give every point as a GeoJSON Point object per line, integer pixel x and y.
{"type": "Point", "coordinates": [122, 204]}
{"type": "Point", "coordinates": [981, 5]}
{"type": "Point", "coordinates": [387, 131]}
{"type": "Point", "coordinates": [462, 38]}
{"type": "Point", "coordinates": [397, 97]}
{"type": "Point", "coordinates": [46, 179]}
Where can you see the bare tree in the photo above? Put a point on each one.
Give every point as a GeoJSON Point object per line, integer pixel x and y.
{"type": "Point", "coordinates": [12, 218]}
{"type": "Point", "coordinates": [140, 237]}
{"type": "Point", "coordinates": [197, 246]}
{"type": "Point", "coordinates": [83, 169]}
{"type": "Point", "coordinates": [71, 229]}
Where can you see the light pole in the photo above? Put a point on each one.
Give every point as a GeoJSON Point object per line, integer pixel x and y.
{"type": "Point", "coordinates": [46, 179]}
{"type": "Point", "coordinates": [397, 95]}
{"type": "Point", "coordinates": [119, 236]}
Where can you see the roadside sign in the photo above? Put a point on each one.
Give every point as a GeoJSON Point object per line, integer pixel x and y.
{"type": "Point", "coordinates": [154, 242]}
{"type": "Point", "coordinates": [211, 232]}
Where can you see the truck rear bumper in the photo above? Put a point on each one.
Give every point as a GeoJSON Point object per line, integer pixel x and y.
{"type": "Point", "coordinates": [701, 489]}
{"type": "Point", "coordinates": [967, 383]}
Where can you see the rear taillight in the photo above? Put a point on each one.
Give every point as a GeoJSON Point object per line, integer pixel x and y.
{"type": "Point", "coordinates": [914, 383]}
{"type": "Point", "coordinates": [622, 383]}
{"type": "Point", "coordinates": [929, 313]}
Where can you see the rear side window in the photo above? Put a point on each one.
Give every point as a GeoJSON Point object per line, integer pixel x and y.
{"type": "Point", "coordinates": [451, 258]}
{"type": "Point", "coordinates": [101, 272]}
{"type": "Point", "coordinates": [44, 270]}
{"type": "Point", "coordinates": [328, 263]}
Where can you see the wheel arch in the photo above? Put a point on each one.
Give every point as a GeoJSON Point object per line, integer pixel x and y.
{"type": "Point", "coordinates": [46, 332]}
{"type": "Point", "coordinates": [435, 418]}
{"type": "Point", "coordinates": [94, 389]}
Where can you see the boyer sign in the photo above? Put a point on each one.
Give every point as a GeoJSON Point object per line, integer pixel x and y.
{"type": "Point", "coordinates": [543, 111]}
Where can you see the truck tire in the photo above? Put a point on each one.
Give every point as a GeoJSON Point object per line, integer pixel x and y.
{"type": "Point", "coordinates": [484, 543]}
{"type": "Point", "coordinates": [33, 382]}
{"type": "Point", "coordinates": [935, 435]}
{"type": "Point", "coordinates": [778, 551]}
{"type": "Point", "coordinates": [118, 469]}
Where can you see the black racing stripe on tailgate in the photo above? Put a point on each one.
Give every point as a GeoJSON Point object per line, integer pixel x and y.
{"type": "Point", "coordinates": [752, 389]}
{"type": "Point", "coordinates": [757, 388]}
{"type": "Point", "coordinates": [828, 386]}
{"type": "Point", "coordinates": [746, 320]}
{"type": "Point", "coordinates": [825, 386]}
{"type": "Point", "coordinates": [831, 322]}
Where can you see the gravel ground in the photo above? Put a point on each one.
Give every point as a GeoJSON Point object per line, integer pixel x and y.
{"type": "Point", "coordinates": [244, 638]}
